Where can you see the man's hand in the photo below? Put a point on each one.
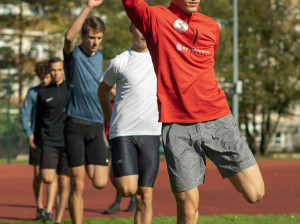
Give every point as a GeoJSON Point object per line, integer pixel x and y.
{"type": "Point", "coordinates": [94, 3]}
{"type": "Point", "coordinates": [31, 142]}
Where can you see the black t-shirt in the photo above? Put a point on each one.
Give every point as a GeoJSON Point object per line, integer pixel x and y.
{"type": "Point", "coordinates": [50, 115]}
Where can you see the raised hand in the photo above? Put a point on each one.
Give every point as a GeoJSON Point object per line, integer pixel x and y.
{"type": "Point", "coordinates": [94, 3]}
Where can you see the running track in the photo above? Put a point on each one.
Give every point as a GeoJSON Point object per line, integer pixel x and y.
{"type": "Point", "coordinates": [217, 196]}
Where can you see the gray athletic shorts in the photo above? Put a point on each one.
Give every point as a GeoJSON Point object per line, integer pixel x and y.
{"type": "Point", "coordinates": [186, 145]}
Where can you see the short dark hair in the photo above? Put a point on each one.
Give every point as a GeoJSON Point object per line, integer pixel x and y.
{"type": "Point", "coordinates": [41, 68]}
{"type": "Point", "coordinates": [53, 60]}
{"type": "Point", "coordinates": [93, 23]}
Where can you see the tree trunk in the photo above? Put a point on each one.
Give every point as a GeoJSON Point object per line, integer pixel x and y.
{"type": "Point", "coordinates": [251, 136]}
{"type": "Point", "coordinates": [20, 67]}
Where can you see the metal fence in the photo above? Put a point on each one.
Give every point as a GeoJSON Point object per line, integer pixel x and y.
{"type": "Point", "coordinates": [13, 141]}
{"type": "Point", "coordinates": [12, 138]}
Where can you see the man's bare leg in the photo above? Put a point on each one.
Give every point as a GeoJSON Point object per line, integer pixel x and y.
{"type": "Point", "coordinates": [62, 196]}
{"type": "Point", "coordinates": [128, 186]}
{"type": "Point", "coordinates": [249, 183]}
{"type": "Point", "coordinates": [77, 175]}
{"type": "Point", "coordinates": [50, 178]}
{"type": "Point", "coordinates": [38, 187]}
{"type": "Point", "coordinates": [187, 206]}
{"type": "Point", "coordinates": [144, 211]}
{"type": "Point", "coordinates": [98, 174]}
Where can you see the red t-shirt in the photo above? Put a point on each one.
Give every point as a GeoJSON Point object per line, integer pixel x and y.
{"type": "Point", "coordinates": [183, 50]}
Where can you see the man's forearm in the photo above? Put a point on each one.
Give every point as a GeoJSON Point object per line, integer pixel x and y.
{"type": "Point", "coordinates": [75, 27]}
{"type": "Point", "coordinates": [105, 105]}
{"type": "Point", "coordinates": [104, 101]}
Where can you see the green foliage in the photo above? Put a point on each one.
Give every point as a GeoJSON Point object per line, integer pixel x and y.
{"type": "Point", "coordinates": [269, 49]}
{"type": "Point", "coordinates": [221, 11]}
{"type": "Point", "coordinates": [117, 37]}
{"type": "Point", "coordinates": [269, 53]}
{"type": "Point", "coordinates": [269, 62]}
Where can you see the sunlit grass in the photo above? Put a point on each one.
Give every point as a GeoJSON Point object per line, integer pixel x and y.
{"type": "Point", "coordinates": [219, 219]}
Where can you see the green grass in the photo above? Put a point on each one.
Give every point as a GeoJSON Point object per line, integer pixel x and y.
{"type": "Point", "coordinates": [220, 219]}
{"type": "Point", "coordinates": [13, 161]}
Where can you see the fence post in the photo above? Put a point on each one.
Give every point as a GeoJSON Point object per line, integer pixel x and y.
{"type": "Point", "coordinates": [8, 115]}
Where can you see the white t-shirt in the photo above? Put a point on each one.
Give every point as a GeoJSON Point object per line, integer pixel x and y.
{"type": "Point", "coordinates": [135, 109]}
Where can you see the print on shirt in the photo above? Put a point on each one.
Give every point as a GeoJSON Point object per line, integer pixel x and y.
{"type": "Point", "coordinates": [180, 47]}
{"type": "Point", "coordinates": [49, 99]}
{"type": "Point", "coordinates": [181, 26]}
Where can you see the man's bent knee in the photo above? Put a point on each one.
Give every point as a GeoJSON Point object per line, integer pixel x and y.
{"type": "Point", "coordinates": [127, 192]}
{"type": "Point", "coordinates": [144, 196]}
{"type": "Point", "coordinates": [257, 196]}
{"type": "Point", "coordinates": [48, 179]}
{"type": "Point", "coordinates": [99, 183]}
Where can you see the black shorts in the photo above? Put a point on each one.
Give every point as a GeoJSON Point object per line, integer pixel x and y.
{"type": "Point", "coordinates": [136, 155]}
{"type": "Point", "coordinates": [34, 156]}
{"type": "Point", "coordinates": [55, 158]}
{"type": "Point", "coordinates": [85, 143]}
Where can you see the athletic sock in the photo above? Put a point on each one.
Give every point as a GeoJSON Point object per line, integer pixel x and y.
{"type": "Point", "coordinates": [118, 198]}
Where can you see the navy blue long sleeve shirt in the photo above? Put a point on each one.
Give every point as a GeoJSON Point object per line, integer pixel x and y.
{"type": "Point", "coordinates": [29, 110]}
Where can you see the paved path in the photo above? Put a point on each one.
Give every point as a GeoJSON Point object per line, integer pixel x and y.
{"type": "Point", "coordinates": [217, 196]}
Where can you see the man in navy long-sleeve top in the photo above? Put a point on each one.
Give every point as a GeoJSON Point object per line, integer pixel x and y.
{"type": "Point", "coordinates": [28, 112]}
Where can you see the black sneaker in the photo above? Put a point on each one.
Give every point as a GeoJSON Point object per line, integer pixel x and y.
{"type": "Point", "coordinates": [113, 209]}
{"type": "Point", "coordinates": [39, 214]}
{"type": "Point", "coordinates": [47, 217]}
{"type": "Point", "coordinates": [131, 206]}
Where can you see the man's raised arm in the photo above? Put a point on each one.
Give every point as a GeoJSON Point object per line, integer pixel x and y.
{"type": "Point", "coordinates": [144, 17]}
{"type": "Point", "coordinates": [75, 27]}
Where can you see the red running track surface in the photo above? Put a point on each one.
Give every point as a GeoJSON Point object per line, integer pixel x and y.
{"type": "Point", "coordinates": [217, 196]}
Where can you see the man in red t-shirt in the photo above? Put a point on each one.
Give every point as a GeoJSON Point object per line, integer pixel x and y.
{"type": "Point", "coordinates": [195, 114]}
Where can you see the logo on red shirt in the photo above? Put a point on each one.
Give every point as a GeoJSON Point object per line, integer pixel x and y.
{"type": "Point", "coordinates": [181, 47]}
{"type": "Point", "coordinates": [181, 26]}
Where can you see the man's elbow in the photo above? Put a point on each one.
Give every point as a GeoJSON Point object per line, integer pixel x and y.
{"type": "Point", "coordinates": [69, 37]}
{"type": "Point", "coordinates": [128, 3]}
{"type": "Point", "coordinates": [68, 45]}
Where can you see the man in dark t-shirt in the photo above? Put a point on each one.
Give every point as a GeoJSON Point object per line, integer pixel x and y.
{"type": "Point", "coordinates": [49, 137]}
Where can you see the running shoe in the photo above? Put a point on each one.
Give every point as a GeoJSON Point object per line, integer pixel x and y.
{"type": "Point", "coordinates": [47, 217]}
{"type": "Point", "coordinates": [113, 209]}
{"type": "Point", "coordinates": [39, 214]}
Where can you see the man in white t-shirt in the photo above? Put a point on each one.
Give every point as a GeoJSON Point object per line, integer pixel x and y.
{"type": "Point", "coordinates": [134, 128]}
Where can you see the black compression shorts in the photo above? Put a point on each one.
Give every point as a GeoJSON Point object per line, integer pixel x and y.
{"type": "Point", "coordinates": [34, 156]}
{"type": "Point", "coordinates": [136, 155]}
{"type": "Point", "coordinates": [85, 143]}
{"type": "Point", "coordinates": [55, 158]}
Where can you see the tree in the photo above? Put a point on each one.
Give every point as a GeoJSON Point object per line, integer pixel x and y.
{"type": "Point", "coordinates": [221, 12]}
{"type": "Point", "coordinates": [269, 66]}
{"type": "Point", "coordinates": [117, 38]}
{"type": "Point", "coordinates": [269, 50]}
{"type": "Point", "coordinates": [269, 53]}
{"type": "Point", "coordinates": [19, 23]}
